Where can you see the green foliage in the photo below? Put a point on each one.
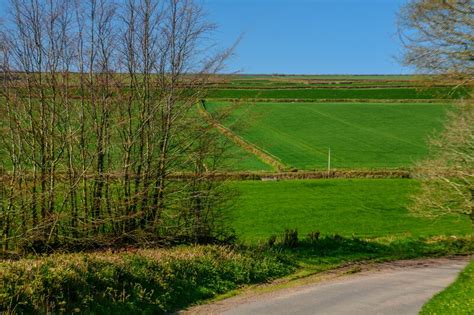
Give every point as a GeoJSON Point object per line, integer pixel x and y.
{"type": "Point", "coordinates": [313, 236]}
{"type": "Point", "coordinates": [272, 240]}
{"type": "Point", "coordinates": [361, 207]}
{"type": "Point", "coordinates": [458, 298]}
{"type": "Point", "coordinates": [290, 238]}
{"type": "Point", "coordinates": [147, 281]}
{"type": "Point", "coordinates": [360, 135]}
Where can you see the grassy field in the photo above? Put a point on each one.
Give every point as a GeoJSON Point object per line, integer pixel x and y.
{"type": "Point", "coordinates": [360, 207]}
{"type": "Point", "coordinates": [360, 135]}
{"type": "Point", "coordinates": [323, 76]}
{"type": "Point", "coordinates": [237, 159]}
{"type": "Point", "coordinates": [457, 299]}
{"type": "Point", "coordinates": [276, 83]}
{"type": "Point", "coordinates": [378, 93]}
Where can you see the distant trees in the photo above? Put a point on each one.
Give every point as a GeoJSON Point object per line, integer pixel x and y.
{"type": "Point", "coordinates": [97, 110]}
{"type": "Point", "coordinates": [439, 40]}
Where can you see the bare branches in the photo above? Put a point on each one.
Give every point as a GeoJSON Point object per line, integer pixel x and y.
{"type": "Point", "coordinates": [448, 176]}
{"type": "Point", "coordinates": [438, 37]}
{"type": "Point", "coordinates": [95, 117]}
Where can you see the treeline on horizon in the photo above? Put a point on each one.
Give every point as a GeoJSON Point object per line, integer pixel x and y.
{"type": "Point", "coordinates": [92, 169]}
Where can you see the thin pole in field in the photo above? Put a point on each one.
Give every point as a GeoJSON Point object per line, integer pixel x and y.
{"type": "Point", "coordinates": [329, 162]}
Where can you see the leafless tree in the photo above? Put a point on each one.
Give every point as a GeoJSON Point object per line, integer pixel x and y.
{"type": "Point", "coordinates": [438, 37]}
{"type": "Point", "coordinates": [99, 102]}
{"type": "Point", "coordinates": [448, 175]}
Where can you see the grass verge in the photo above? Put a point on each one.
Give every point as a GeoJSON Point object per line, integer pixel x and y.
{"type": "Point", "coordinates": [458, 298]}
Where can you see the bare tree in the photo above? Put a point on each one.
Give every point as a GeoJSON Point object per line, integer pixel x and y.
{"type": "Point", "coordinates": [438, 37]}
{"type": "Point", "coordinates": [98, 110]}
{"type": "Point", "coordinates": [448, 175]}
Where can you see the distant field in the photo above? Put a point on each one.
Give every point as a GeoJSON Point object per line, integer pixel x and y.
{"type": "Point", "coordinates": [360, 135]}
{"type": "Point", "coordinates": [237, 159]}
{"type": "Point", "coordinates": [363, 207]}
{"type": "Point", "coordinates": [310, 83]}
{"type": "Point", "coordinates": [321, 93]}
{"type": "Point", "coordinates": [325, 76]}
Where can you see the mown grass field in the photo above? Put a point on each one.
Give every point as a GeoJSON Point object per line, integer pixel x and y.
{"type": "Point", "coordinates": [321, 93]}
{"type": "Point", "coordinates": [359, 207]}
{"type": "Point", "coordinates": [360, 135]}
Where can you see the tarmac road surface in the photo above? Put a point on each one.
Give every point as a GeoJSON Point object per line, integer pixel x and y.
{"type": "Point", "coordinates": [397, 289]}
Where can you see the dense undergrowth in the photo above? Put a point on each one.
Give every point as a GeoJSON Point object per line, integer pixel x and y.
{"type": "Point", "coordinates": [145, 281]}
{"type": "Point", "coordinates": [164, 280]}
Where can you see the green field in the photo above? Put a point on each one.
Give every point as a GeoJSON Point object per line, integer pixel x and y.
{"type": "Point", "coordinates": [361, 207]}
{"type": "Point", "coordinates": [359, 93]}
{"type": "Point", "coordinates": [237, 159]}
{"type": "Point", "coordinates": [360, 135]}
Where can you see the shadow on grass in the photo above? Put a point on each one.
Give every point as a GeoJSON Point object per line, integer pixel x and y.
{"type": "Point", "coordinates": [333, 250]}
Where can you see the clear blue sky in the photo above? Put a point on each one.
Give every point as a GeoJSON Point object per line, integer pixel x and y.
{"type": "Point", "coordinates": [307, 36]}
{"type": "Point", "coordinates": [310, 36]}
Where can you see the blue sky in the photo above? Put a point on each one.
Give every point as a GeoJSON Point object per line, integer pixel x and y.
{"type": "Point", "coordinates": [307, 36]}
{"type": "Point", "coordinates": [310, 36]}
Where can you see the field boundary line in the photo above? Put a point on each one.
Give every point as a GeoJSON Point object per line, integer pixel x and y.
{"type": "Point", "coordinates": [302, 175]}
{"type": "Point", "coordinates": [336, 100]}
{"type": "Point", "coordinates": [249, 147]}
{"type": "Point", "coordinates": [259, 175]}
{"type": "Point", "coordinates": [322, 86]}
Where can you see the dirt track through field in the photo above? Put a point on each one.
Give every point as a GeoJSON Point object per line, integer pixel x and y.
{"type": "Point", "coordinates": [247, 146]}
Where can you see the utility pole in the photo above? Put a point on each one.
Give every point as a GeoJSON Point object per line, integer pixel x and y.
{"type": "Point", "coordinates": [329, 162]}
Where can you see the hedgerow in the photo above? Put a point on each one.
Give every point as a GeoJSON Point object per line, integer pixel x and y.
{"type": "Point", "coordinates": [144, 281]}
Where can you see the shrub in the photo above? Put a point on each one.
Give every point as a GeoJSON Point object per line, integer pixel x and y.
{"type": "Point", "coordinates": [314, 236]}
{"type": "Point", "coordinates": [146, 281]}
{"type": "Point", "coordinates": [271, 240]}
{"type": "Point", "coordinates": [290, 238]}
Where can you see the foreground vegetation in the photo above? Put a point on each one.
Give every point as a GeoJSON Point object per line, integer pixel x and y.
{"type": "Point", "coordinates": [164, 280]}
{"type": "Point", "coordinates": [458, 298]}
{"type": "Point", "coordinates": [362, 207]}
{"type": "Point", "coordinates": [145, 281]}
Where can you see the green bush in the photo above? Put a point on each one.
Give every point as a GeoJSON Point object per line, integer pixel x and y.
{"type": "Point", "coordinates": [272, 240]}
{"type": "Point", "coordinates": [313, 236]}
{"type": "Point", "coordinates": [146, 281]}
{"type": "Point", "coordinates": [290, 238]}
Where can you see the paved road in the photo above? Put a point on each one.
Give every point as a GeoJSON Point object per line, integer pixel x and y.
{"type": "Point", "coordinates": [396, 290]}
